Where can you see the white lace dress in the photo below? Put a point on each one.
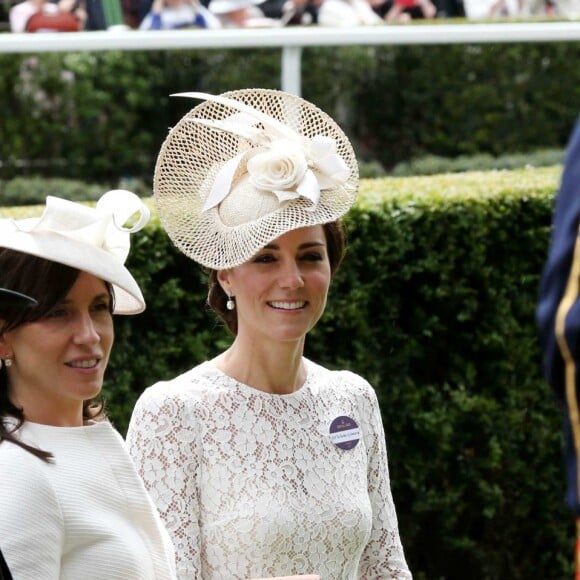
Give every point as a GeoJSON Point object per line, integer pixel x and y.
{"type": "Point", "coordinates": [250, 484]}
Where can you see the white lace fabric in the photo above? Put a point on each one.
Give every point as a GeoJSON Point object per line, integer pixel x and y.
{"type": "Point", "coordinates": [250, 484]}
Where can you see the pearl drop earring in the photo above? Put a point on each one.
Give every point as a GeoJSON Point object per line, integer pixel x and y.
{"type": "Point", "coordinates": [230, 304]}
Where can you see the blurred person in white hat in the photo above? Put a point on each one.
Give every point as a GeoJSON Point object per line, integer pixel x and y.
{"type": "Point", "coordinates": [178, 14]}
{"type": "Point", "coordinates": [264, 463]}
{"type": "Point", "coordinates": [47, 16]}
{"type": "Point", "coordinates": [71, 502]}
{"type": "Point", "coordinates": [241, 14]}
{"type": "Point", "coordinates": [346, 13]}
{"type": "Point", "coordinates": [567, 8]}
{"type": "Point", "coordinates": [476, 9]}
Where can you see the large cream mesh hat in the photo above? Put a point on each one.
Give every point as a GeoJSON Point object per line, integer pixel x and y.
{"type": "Point", "coordinates": [243, 168]}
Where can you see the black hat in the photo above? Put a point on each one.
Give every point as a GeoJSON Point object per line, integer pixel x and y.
{"type": "Point", "coordinates": [11, 298]}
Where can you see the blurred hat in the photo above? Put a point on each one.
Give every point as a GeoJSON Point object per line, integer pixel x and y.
{"type": "Point", "coordinates": [225, 6]}
{"type": "Point", "coordinates": [91, 239]}
{"type": "Point", "coordinates": [241, 169]}
{"type": "Point", "coordinates": [11, 298]}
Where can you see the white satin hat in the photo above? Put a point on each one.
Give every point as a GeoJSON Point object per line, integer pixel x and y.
{"type": "Point", "coordinates": [91, 239]}
{"type": "Point", "coordinates": [243, 168]}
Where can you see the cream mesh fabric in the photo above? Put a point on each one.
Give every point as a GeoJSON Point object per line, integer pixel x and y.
{"type": "Point", "coordinates": [249, 484]}
{"type": "Point", "coordinates": [193, 154]}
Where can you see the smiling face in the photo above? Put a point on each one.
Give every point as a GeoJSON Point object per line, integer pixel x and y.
{"type": "Point", "coordinates": [59, 360]}
{"type": "Point", "coordinates": [281, 292]}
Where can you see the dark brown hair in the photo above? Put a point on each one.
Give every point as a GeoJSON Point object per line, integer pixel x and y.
{"type": "Point", "coordinates": [48, 283]}
{"type": "Point", "coordinates": [217, 298]}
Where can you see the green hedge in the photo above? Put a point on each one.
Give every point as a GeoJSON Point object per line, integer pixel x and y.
{"type": "Point", "coordinates": [103, 116]}
{"type": "Point", "coordinates": [467, 99]}
{"type": "Point", "coordinates": [33, 190]}
{"type": "Point", "coordinates": [435, 306]}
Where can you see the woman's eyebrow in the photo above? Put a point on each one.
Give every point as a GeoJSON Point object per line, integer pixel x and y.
{"type": "Point", "coordinates": [103, 296]}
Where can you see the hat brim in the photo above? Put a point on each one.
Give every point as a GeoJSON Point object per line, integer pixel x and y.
{"type": "Point", "coordinates": [11, 298]}
{"type": "Point", "coordinates": [194, 153]}
{"type": "Point", "coordinates": [84, 257]}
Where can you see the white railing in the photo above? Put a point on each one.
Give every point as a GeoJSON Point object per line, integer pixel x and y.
{"type": "Point", "coordinates": [292, 40]}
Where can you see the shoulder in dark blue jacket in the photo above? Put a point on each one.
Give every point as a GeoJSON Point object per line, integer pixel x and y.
{"type": "Point", "coordinates": [558, 312]}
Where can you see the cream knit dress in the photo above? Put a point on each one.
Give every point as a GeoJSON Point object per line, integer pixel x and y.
{"type": "Point", "coordinates": [86, 516]}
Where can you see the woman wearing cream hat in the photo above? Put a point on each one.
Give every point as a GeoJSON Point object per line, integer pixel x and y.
{"type": "Point", "coordinates": [17, 300]}
{"type": "Point", "coordinates": [261, 462]}
{"type": "Point", "coordinates": [71, 503]}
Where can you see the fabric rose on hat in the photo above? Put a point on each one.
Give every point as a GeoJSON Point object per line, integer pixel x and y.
{"type": "Point", "coordinates": [281, 161]}
{"type": "Point", "coordinates": [290, 170]}
{"type": "Point", "coordinates": [279, 169]}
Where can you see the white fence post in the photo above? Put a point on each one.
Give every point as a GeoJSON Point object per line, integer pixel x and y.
{"type": "Point", "coordinates": [292, 69]}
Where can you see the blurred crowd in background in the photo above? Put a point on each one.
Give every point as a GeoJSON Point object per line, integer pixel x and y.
{"type": "Point", "coordinates": [75, 15]}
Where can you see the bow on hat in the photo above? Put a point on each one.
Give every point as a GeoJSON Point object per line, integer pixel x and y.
{"type": "Point", "coordinates": [102, 226]}
{"type": "Point", "coordinates": [281, 161]}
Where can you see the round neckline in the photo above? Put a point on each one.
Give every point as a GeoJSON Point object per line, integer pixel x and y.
{"type": "Point", "coordinates": [245, 387]}
{"type": "Point", "coordinates": [88, 425]}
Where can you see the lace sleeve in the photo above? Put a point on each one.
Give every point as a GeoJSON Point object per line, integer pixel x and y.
{"type": "Point", "coordinates": [164, 447]}
{"type": "Point", "coordinates": [383, 556]}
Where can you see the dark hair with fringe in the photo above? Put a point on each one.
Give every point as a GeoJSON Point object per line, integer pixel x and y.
{"type": "Point", "coordinates": [48, 283]}
{"type": "Point", "coordinates": [216, 298]}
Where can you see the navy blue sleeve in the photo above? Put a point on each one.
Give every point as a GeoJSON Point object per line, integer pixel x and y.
{"type": "Point", "coordinates": [558, 312]}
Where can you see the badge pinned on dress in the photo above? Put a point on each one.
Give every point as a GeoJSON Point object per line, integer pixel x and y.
{"type": "Point", "coordinates": [344, 432]}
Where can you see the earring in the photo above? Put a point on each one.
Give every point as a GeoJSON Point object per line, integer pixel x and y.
{"type": "Point", "coordinates": [230, 304]}
{"type": "Point", "coordinates": [8, 362]}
